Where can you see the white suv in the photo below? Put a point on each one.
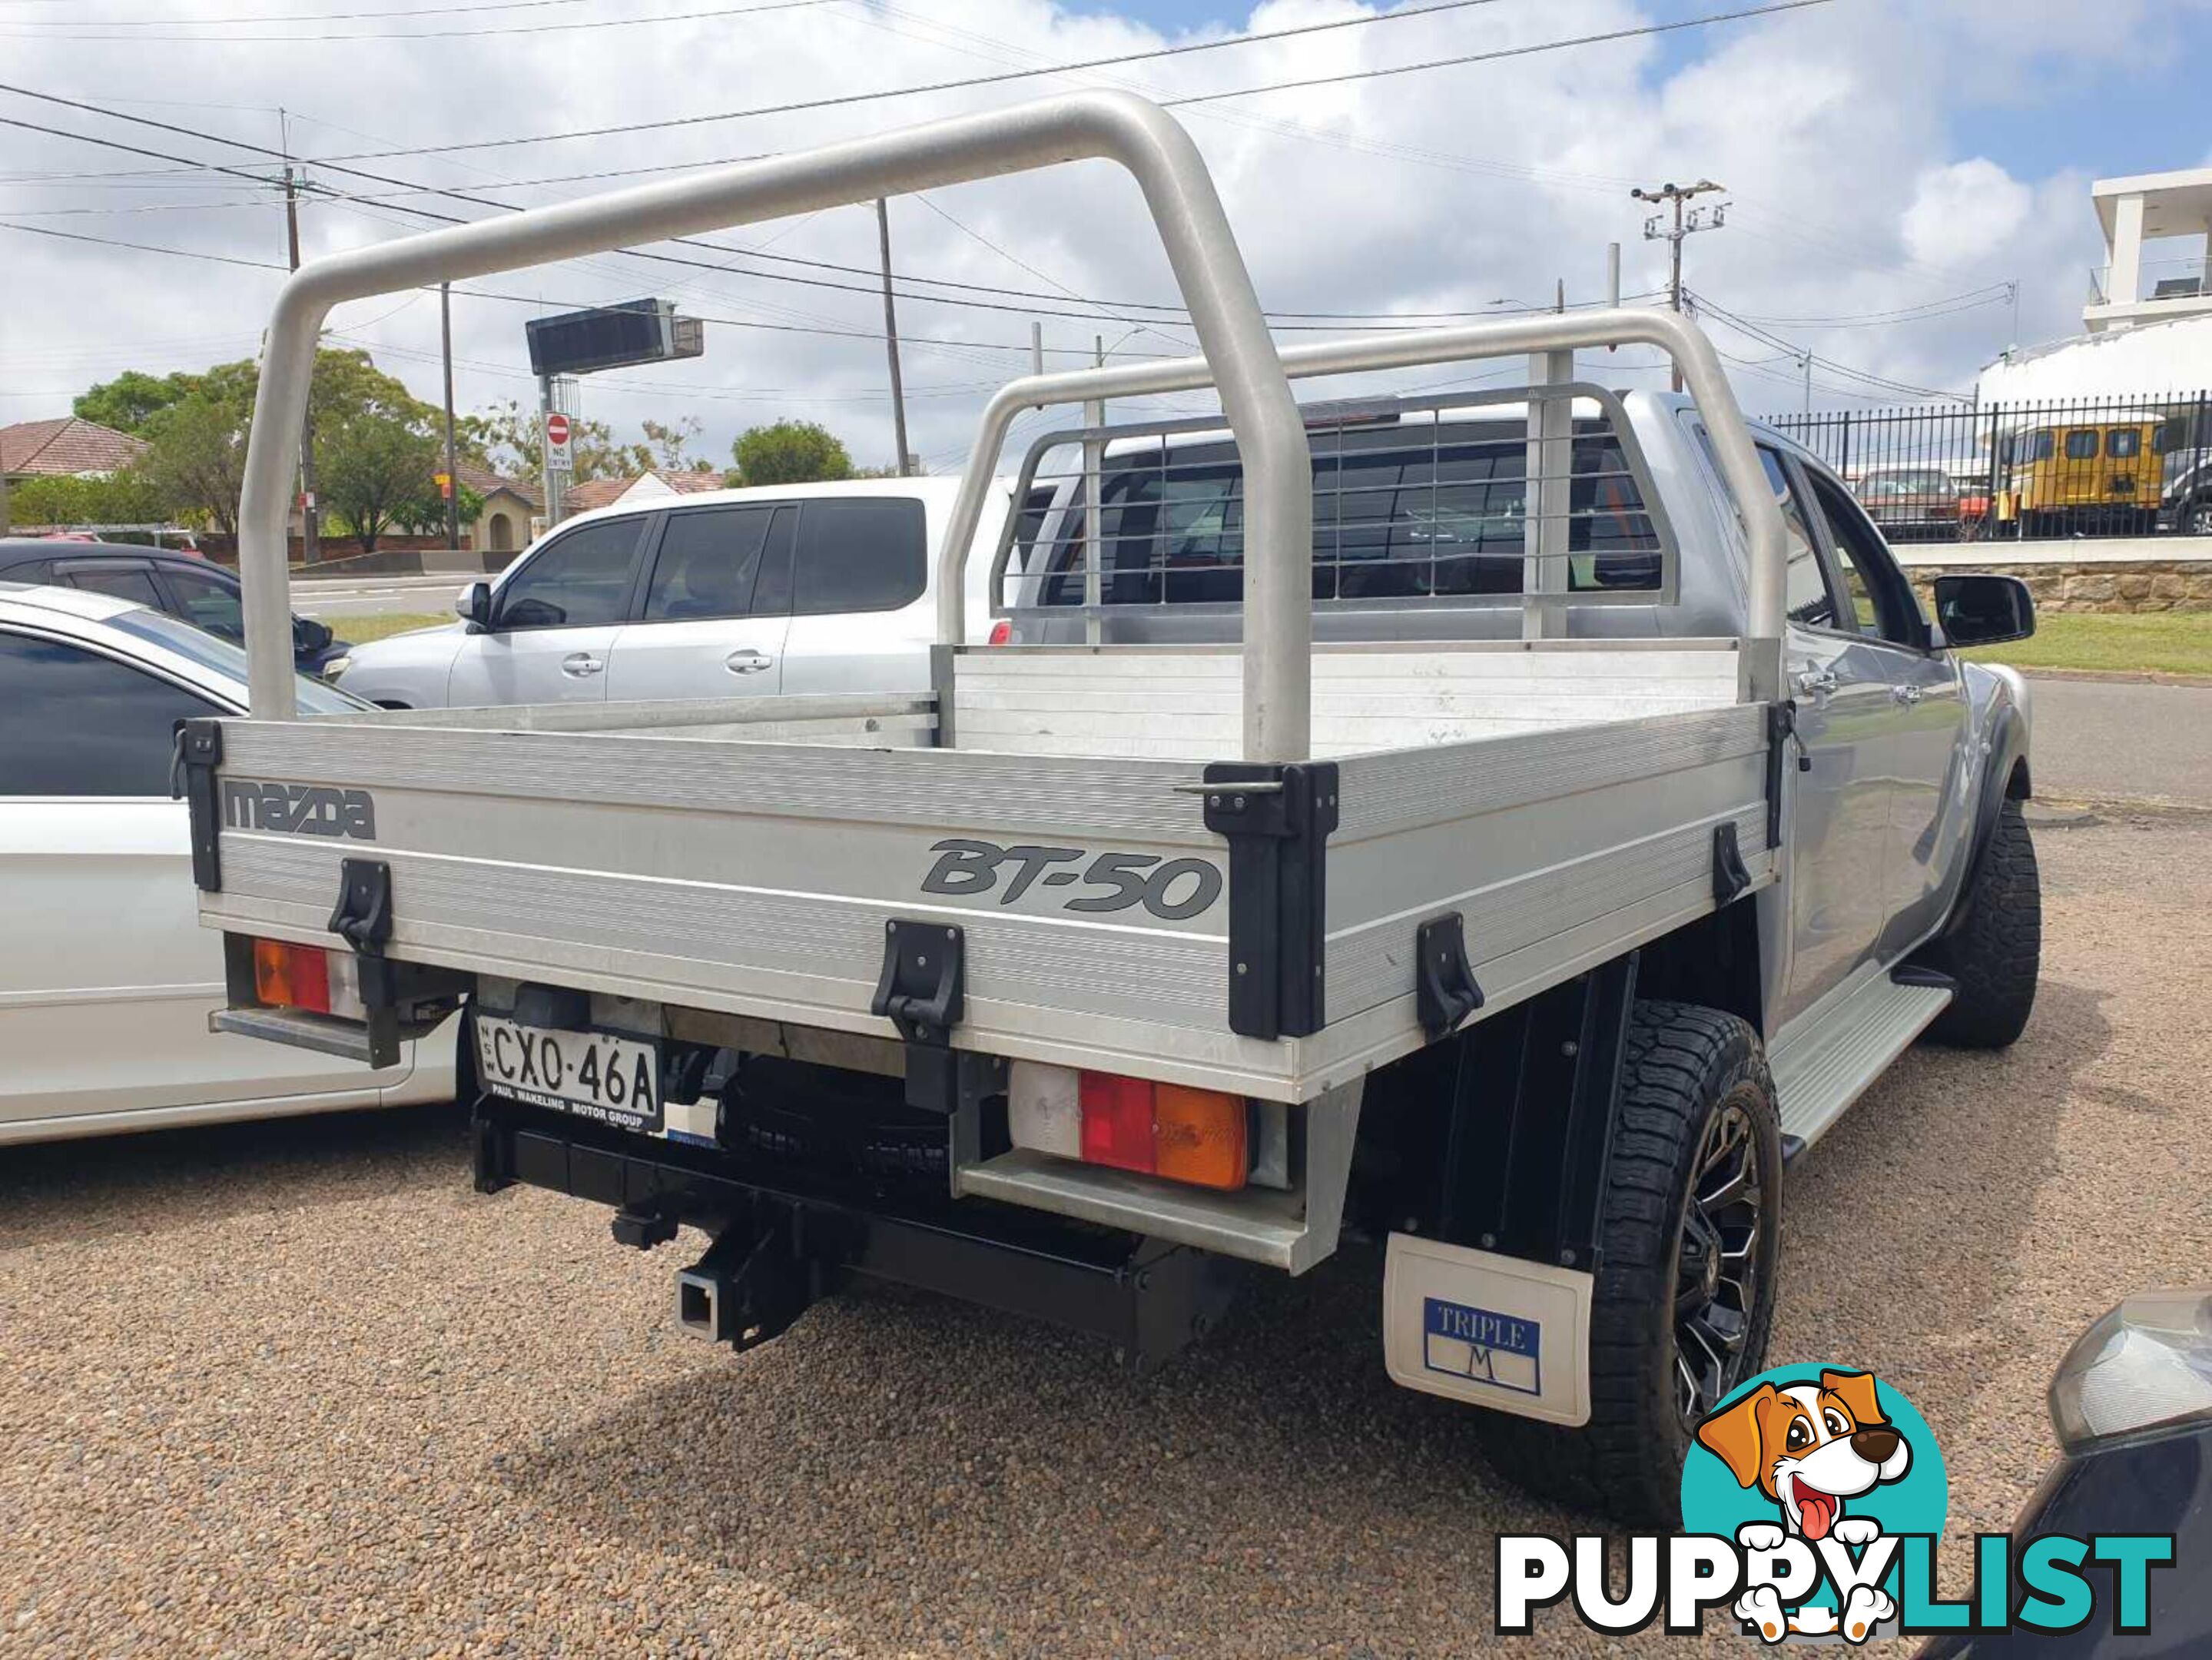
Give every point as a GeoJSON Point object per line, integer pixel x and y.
{"type": "Point", "coordinates": [804, 588]}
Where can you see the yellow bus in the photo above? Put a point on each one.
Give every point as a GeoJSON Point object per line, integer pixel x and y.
{"type": "Point", "coordinates": [2098, 476]}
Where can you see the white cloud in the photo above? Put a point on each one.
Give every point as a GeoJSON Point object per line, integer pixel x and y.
{"type": "Point", "coordinates": [1962, 209]}
{"type": "Point", "coordinates": [1434, 191]}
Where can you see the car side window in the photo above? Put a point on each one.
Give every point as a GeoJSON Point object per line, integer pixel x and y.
{"type": "Point", "coordinates": [578, 581]}
{"type": "Point", "coordinates": [205, 603]}
{"type": "Point", "coordinates": [1874, 589]}
{"type": "Point", "coordinates": [708, 562]}
{"type": "Point", "coordinates": [859, 554]}
{"type": "Point", "coordinates": [133, 582]}
{"type": "Point", "coordinates": [1811, 602]}
{"type": "Point", "coordinates": [119, 729]}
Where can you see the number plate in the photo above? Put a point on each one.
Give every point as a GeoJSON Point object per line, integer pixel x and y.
{"type": "Point", "coordinates": [594, 1075]}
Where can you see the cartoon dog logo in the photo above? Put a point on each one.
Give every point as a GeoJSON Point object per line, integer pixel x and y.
{"type": "Point", "coordinates": [1810, 1448]}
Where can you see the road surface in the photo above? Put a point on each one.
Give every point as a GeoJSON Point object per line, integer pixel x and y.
{"type": "Point", "coordinates": [331, 597]}
{"type": "Point", "coordinates": [2099, 740]}
{"type": "Point", "coordinates": [293, 1387]}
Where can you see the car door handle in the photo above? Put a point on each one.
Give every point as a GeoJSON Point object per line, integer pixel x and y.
{"type": "Point", "coordinates": [748, 661]}
{"type": "Point", "coordinates": [1816, 682]}
{"type": "Point", "coordinates": [579, 663]}
{"type": "Point", "coordinates": [1907, 695]}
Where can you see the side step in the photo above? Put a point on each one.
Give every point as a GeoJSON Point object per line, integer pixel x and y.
{"type": "Point", "coordinates": [1821, 1073]}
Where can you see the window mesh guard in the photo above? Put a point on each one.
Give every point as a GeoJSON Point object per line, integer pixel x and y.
{"type": "Point", "coordinates": [1416, 501]}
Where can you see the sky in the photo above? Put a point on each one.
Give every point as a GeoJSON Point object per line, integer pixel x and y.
{"type": "Point", "coordinates": [1890, 168]}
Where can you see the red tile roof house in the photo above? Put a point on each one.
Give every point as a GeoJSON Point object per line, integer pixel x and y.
{"type": "Point", "coordinates": [66, 448]}
{"type": "Point", "coordinates": [645, 487]}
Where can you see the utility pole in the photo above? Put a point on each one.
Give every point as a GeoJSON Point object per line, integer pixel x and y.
{"type": "Point", "coordinates": [890, 335]}
{"type": "Point", "coordinates": [1036, 347]}
{"type": "Point", "coordinates": [1805, 362]}
{"type": "Point", "coordinates": [311, 538]}
{"type": "Point", "coordinates": [1655, 231]}
{"type": "Point", "coordinates": [452, 479]}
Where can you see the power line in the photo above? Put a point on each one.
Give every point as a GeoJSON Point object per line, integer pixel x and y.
{"type": "Point", "coordinates": [294, 17]}
{"type": "Point", "coordinates": [1498, 53]}
{"type": "Point", "coordinates": [536, 301]}
{"type": "Point", "coordinates": [1705, 306]}
{"type": "Point", "coordinates": [847, 99]}
{"type": "Point", "coordinates": [11, 30]}
{"type": "Point", "coordinates": [1950, 305]}
{"type": "Point", "coordinates": [1011, 300]}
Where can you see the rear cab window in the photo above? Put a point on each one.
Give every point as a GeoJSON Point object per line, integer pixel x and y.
{"type": "Point", "coordinates": [1410, 511]}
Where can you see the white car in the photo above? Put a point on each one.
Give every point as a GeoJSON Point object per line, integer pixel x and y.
{"type": "Point", "coordinates": [108, 979]}
{"type": "Point", "coordinates": [800, 588]}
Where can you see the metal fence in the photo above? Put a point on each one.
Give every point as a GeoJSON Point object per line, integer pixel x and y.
{"type": "Point", "coordinates": [2112, 466]}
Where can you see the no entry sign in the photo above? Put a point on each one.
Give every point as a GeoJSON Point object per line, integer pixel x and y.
{"type": "Point", "coordinates": [556, 440]}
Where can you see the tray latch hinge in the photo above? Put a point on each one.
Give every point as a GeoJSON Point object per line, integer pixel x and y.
{"type": "Point", "coordinates": [1277, 820]}
{"type": "Point", "coordinates": [922, 988]}
{"type": "Point", "coordinates": [362, 918]}
{"type": "Point", "coordinates": [1781, 734]}
{"type": "Point", "coordinates": [1730, 878]}
{"type": "Point", "coordinates": [199, 753]}
{"type": "Point", "coordinates": [1444, 989]}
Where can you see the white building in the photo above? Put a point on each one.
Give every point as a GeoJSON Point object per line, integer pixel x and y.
{"type": "Point", "coordinates": [2139, 285]}
{"type": "Point", "coordinates": [2148, 319]}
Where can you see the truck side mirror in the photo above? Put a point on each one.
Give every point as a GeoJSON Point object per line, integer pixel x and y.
{"type": "Point", "coordinates": [1982, 610]}
{"type": "Point", "coordinates": [472, 605]}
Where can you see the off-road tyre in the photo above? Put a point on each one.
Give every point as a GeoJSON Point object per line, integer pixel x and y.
{"type": "Point", "coordinates": [1995, 952]}
{"type": "Point", "coordinates": [1686, 1066]}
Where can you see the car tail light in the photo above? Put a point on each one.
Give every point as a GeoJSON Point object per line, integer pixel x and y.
{"type": "Point", "coordinates": [290, 976]}
{"type": "Point", "coordinates": [1192, 1135]}
{"type": "Point", "coordinates": [1198, 1136]}
{"type": "Point", "coordinates": [1002, 632]}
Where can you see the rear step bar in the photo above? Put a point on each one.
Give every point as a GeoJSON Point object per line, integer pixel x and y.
{"type": "Point", "coordinates": [777, 1251]}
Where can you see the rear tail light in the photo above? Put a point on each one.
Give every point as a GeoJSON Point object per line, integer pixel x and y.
{"type": "Point", "coordinates": [290, 976]}
{"type": "Point", "coordinates": [1198, 1136]}
{"type": "Point", "coordinates": [1002, 632]}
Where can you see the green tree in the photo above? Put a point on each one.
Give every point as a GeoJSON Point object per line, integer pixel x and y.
{"type": "Point", "coordinates": [375, 470]}
{"type": "Point", "coordinates": [669, 445]}
{"type": "Point", "coordinates": [132, 399]}
{"type": "Point", "coordinates": [789, 453]}
{"type": "Point", "coordinates": [506, 438]}
{"type": "Point", "coordinates": [125, 498]}
{"type": "Point", "coordinates": [196, 446]}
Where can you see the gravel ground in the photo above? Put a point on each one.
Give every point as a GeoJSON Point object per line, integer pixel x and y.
{"type": "Point", "coordinates": [293, 1389]}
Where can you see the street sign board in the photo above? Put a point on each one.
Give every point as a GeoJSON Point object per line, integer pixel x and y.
{"type": "Point", "coordinates": [556, 441]}
{"type": "Point", "coordinates": [612, 337]}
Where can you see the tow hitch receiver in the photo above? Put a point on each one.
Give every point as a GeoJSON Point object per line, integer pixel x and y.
{"type": "Point", "coordinates": [749, 1287]}
{"type": "Point", "coordinates": [777, 1250]}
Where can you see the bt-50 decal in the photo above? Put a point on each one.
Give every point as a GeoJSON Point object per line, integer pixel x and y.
{"type": "Point", "coordinates": [1173, 889]}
